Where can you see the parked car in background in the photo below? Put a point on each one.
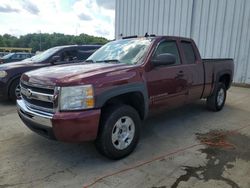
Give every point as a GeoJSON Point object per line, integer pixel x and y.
{"type": "Point", "coordinates": [16, 56]}
{"type": "Point", "coordinates": [106, 98]}
{"type": "Point", "coordinates": [3, 54]}
{"type": "Point", "coordinates": [10, 73]}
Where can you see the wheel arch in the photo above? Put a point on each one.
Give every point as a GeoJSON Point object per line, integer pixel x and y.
{"type": "Point", "coordinates": [11, 82]}
{"type": "Point", "coordinates": [134, 95]}
{"type": "Point", "coordinates": [224, 77]}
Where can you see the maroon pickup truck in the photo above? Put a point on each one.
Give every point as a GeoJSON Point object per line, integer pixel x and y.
{"type": "Point", "coordinates": [106, 98]}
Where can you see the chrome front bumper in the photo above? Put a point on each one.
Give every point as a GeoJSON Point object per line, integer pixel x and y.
{"type": "Point", "coordinates": [34, 116]}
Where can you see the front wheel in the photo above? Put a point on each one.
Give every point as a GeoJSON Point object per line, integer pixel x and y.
{"type": "Point", "coordinates": [119, 131]}
{"type": "Point", "coordinates": [216, 101]}
{"type": "Point", "coordinates": [15, 90]}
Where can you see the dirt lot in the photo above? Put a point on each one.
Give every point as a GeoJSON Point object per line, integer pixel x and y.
{"type": "Point", "coordinates": [187, 147]}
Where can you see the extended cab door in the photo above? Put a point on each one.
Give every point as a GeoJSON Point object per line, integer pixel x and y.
{"type": "Point", "coordinates": [167, 84]}
{"type": "Point", "coordinates": [191, 58]}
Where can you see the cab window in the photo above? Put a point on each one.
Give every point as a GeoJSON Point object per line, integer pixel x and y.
{"type": "Point", "coordinates": [189, 53]}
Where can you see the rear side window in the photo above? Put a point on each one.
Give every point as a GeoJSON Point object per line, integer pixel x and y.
{"type": "Point", "coordinates": [83, 55]}
{"type": "Point", "coordinates": [188, 50]}
{"type": "Point", "coordinates": [93, 48]}
{"type": "Point", "coordinates": [87, 48]}
{"type": "Point", "coordinates": [23, 56]}
{"type": "Point", "coordinates": [168, 47]}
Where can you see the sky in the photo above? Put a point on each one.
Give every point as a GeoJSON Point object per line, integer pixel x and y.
{"type": "Point", "coordinates": [93, 17]}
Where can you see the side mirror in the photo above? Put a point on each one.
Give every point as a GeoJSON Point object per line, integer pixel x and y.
{"type": "Point", "coordinates": [164, 59]}
{"type": "Point", "coordinates": [54, 58]}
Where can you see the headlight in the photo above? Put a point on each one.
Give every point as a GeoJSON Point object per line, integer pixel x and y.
{"type": "Point", "coordinates": [3, 74]}
{"type": "Point", "coordinates": [77, 97]}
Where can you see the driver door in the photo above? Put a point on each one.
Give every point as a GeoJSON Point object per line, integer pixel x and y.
{"type": "Point", "coordinates": [167, 84]}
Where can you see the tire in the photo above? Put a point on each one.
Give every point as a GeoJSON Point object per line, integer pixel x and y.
{"type": "Point", "coordinates": [14, 90]}
{"type": "Point", "coordinates": [119, 131]}
{"type": "Point", "coordinates": [216, 101]}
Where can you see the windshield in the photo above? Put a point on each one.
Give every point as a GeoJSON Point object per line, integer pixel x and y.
{"type": "Point", "coordinates": [8, 56]}
{"type": "Point", "coordinates": [128, 51]}
{"type": "Point", "coordinates": [44, 55]}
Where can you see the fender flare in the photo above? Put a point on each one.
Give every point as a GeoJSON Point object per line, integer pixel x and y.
{"type": "Point", "coordinates": [102, 98]}
{"type": "Point", "coordinates": [219, 74]}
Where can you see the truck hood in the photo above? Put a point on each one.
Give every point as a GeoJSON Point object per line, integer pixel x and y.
{"type": "Point", "coordinates": [63, 75]}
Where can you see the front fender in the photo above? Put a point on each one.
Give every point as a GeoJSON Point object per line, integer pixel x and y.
{"type": "Point", "coordinates": [141, 87]}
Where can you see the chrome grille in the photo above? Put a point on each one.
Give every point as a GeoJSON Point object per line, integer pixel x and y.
{"type": "Point", "coordinates": [38, 97]}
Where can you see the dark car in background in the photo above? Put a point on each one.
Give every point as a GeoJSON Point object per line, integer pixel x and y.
{"type": "Point", "coordinates": [3, 54]}
{"type": "Point", "coordinates": [16, 56]}
{"type": "Point", "coordinates": [10, 73]}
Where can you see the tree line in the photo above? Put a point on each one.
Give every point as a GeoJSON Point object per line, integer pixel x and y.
{"type": "Point", "coordinates": [43, 41]}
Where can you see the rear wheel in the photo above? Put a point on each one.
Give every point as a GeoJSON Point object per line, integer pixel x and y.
{"type": "Point", "coordinates": [216, 101]}
{"type": "Point", "coordinates": [15, 90]}
{"type": "Point", "coordinates": [119, 131]}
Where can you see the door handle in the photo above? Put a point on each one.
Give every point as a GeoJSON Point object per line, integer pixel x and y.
{"type": "Point", "coordinates": [180, 74]}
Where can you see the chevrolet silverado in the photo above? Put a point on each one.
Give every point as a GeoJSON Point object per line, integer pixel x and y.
{"type": "Point", "coordinates": [107, 98]}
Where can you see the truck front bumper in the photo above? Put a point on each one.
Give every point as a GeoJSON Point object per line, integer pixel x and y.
{"type": "Point", "coordinates": [77, 126]}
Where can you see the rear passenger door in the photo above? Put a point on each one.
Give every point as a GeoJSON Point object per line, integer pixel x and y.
{"type": "Point", "coordinates": [167, 84]}
{"type": "Point", "coordinates": [196, 71]}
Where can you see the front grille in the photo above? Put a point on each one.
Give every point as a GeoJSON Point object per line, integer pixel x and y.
{"type": "Point", "coordinates": [38, 97]}
{"type": "Point", "coordinates": [40, 89]}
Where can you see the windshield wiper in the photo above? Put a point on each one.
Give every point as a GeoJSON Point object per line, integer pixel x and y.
{"type": "Point", "coordinates": [109, 60]}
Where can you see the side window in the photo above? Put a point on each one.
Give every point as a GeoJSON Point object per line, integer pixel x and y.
{"type": "Point", "coordinates": [168, 47]}
{"type": "Point", "coordinates": [23, 56]}
{"type": "Point", "coordinates": [13, 56]}
{"type": "Point", "coordinates": [83, 55]}
{"type": "Point", "coordinates": [19, 56]}
{"type": "Point", "coordinates": [68, 55]}
{"type": "Point", "coordinates": [89, 48]}
{"type": "Point", "coordinates": [188, 52]}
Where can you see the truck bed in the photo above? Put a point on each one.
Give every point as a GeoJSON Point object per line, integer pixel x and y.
{"type": "Point", "coordinates": [216, 60]}
{"type": "Point", "coordinates": [215, 67]}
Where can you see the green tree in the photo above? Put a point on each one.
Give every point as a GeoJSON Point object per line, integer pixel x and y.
{"type": "Point", "coordinates": [48, 40]}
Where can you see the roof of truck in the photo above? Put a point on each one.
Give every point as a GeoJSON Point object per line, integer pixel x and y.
{"type": "Point", "coordinates": [158, 36]}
